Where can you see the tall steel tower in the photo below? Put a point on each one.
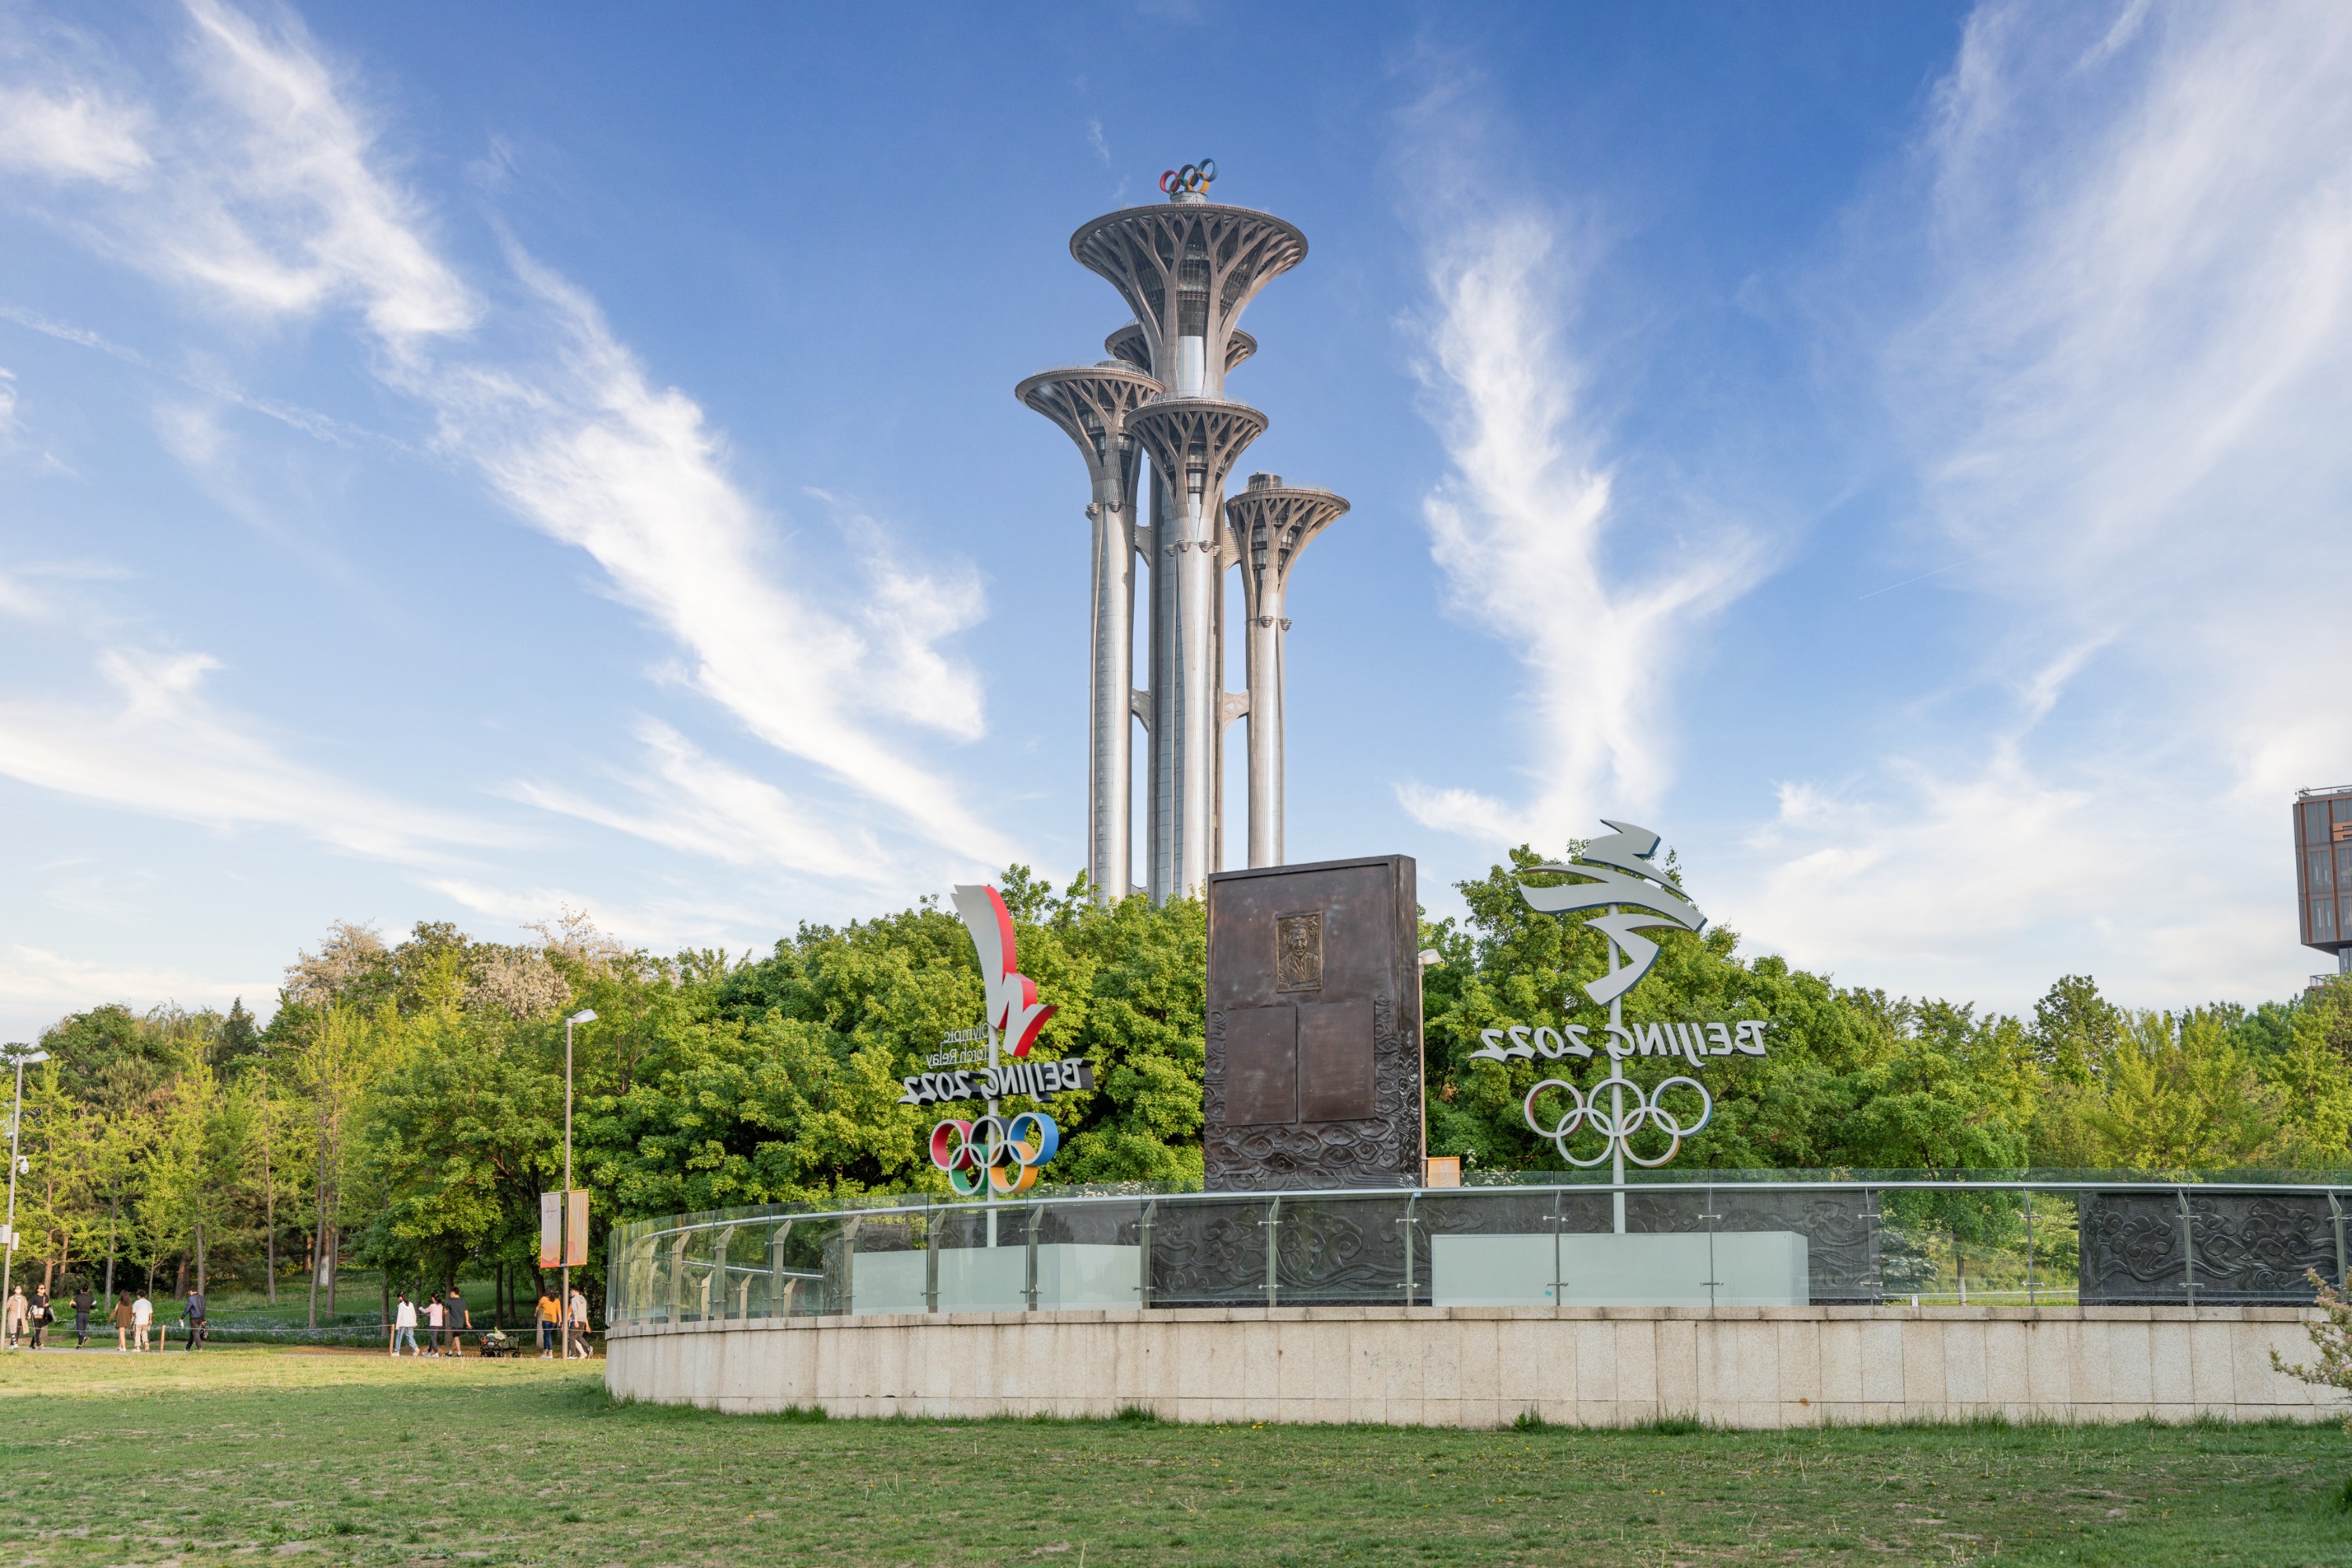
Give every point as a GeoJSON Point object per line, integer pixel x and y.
{"type": "Point", "coordinates": [1270, 525]}
{"type": "Point", "coordinates": [1187, 269]}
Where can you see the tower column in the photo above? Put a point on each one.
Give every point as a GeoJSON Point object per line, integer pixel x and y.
{"type": "Point", "coordinates": [1271, 523]}
{"type": "Point", "coordinates": [1194, 444]}
{"type": "Point", "coordinates": [1092, 406]}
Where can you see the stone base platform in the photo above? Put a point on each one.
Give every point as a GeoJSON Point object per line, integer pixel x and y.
{"type": "Point", "coordinates": [1481, 1367]}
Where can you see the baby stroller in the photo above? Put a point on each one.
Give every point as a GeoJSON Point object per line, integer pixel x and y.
{"type": "Point", "coordinates": [496, 1342]}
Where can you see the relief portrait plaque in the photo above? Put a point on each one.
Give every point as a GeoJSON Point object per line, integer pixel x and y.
{"type": "Point", "coordinates": [1314, 1027]}
{"type": "Point", "coordinates": [1298, 951]}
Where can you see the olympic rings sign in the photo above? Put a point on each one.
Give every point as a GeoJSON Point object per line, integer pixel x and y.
{"type": "Point", "coordinates": [995, 1151]}
{"type": "Point", "coordinates": [1191, 180]}
{"type": "Point", "coordinates": [1590, 1109]}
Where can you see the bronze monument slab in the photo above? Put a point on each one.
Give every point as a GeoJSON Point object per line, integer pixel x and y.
{"type": "Point", "coordinates": [1314, 1027]}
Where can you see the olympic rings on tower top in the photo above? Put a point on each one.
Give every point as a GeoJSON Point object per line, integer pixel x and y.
{"type": "Point", "coordinates": [1191, 180]}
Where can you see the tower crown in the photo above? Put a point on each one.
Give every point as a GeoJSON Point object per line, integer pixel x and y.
{"type": "Point", "coordinates": [1187, 272]}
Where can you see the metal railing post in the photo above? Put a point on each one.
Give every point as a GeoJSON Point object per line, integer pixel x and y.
{"type": "Point", "coordinates": [2188, 1247]}
{"type": "Point", "coordinates": [1143, 1253]}
{"type": "Point", "coordinates": [778, 1290]}
{"type": "Point", "coordinates": [2028, 1246]}
{"type": "Point", "coordinates": [1710, 1216]}
{"type": "Point", "coordinates": [718, 1268]}
{"type": "Point", "coordinates": [1559, 1224]}
{"type": "Point", "coordinates": [1875, 1260]}
{"type": "Point", "coordinates": [2336, 1213]}
{"type": "Point", "coordinates": [1029, 1263]}
{"type": "Point", "coordinates": [1273, 1223]}
{"type": "Point", "coordinates": [932, 1231]}
{"type": "Point", "coordinates": [1407, 1222]}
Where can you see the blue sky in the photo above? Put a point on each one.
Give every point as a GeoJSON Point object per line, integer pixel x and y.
{"type": "Point", "coordinates": [464, 462]}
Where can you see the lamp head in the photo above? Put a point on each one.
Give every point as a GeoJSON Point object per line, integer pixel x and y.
{"type": "Point", "coordinates": [585, 1016]}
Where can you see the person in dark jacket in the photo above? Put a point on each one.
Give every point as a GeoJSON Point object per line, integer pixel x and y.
{"type": "Point", "coordinates": [43, 1314]}
{"type": "Point", "coordinates": [459, 1319]}
{"type": "Point", "coordinates": [82, 1303]}
{"type": "Point", "coordinates": [193, 1314]}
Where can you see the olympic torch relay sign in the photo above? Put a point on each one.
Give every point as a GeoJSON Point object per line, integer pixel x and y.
{"type": "Point", "coordinates": [1620, 873]}
{"type": "Point", "coordinates": [993, 1153]}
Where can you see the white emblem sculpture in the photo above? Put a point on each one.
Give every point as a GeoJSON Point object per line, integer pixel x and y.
{"type": "Point", "coordinates": [1620, 874]}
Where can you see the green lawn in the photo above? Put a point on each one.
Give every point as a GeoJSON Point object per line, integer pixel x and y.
{"type": "Point", "coordinates": [237, 1454]}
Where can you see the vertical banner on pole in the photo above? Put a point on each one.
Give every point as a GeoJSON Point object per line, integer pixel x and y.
{"type": "Point", "coordinates": [575, 1229]}
{"type": "Point", "coordinates": [551, 1230]}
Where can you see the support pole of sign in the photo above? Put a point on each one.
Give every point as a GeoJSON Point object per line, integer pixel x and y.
{"type": "Point", "coordinates": [1616, 1097]}
{"type": "Point", "coordinates": [988, 1169]}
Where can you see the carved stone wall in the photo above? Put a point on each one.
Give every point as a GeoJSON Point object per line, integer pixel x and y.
{"type": "Point", "coordinates": [1314, 1027]}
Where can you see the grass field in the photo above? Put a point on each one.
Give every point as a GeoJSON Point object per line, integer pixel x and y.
{"type": "Point", "coordinates": [236, 1454]}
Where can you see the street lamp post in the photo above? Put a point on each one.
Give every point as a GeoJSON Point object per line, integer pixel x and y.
{"type": "Point", "coordinates": [24, 1059]}
{"type": "Point", "coordinates": [585, 1016]}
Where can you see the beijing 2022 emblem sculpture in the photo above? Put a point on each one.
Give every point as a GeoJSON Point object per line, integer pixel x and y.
{"type": "Point", "coordinates": [1620, 873]}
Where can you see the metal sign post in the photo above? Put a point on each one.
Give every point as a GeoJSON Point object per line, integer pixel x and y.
{"type": "Point", "coordinates": [23, 1058]}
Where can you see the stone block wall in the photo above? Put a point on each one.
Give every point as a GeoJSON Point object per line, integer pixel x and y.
{"type": "Point", "coordinates": [1751, 1367]}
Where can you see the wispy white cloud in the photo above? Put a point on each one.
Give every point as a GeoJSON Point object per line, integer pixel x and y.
{"type": "Point", "coordinates": [1526, 527]}
{"type": "Point", "coordinates": [269, 191]}
{"type": "Point", "coordinates": [2126, 387]}
{"type": "Point", "coordinates": [592, 453]}
{"type": "Point", "coordinates": [690, 801]}
{"type": "Point", "coordinates": [161, 748]}
{"type": "Point", "coordinates": [78, 133]}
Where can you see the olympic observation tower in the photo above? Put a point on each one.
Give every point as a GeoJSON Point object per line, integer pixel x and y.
{"type": "Point", "coordinates": [1186, 270]}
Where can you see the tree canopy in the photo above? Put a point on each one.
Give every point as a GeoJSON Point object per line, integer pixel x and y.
{"type": "Point", "coordinates": [403, 1106]}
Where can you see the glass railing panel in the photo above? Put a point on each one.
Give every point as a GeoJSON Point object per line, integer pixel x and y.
{"type": "Point", "coordinates": [2157, 1248]}
{"type": "Point", "coordinates": [1089, 1255]}
{"type": "Point", "coordinates": [1349, 1251]}
{"type": "Point", "coordinates": [2040, 1238]}
{"type": "Point", "coordinates": [1210, 1251]}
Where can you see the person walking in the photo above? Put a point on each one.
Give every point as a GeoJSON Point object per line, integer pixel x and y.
{"type": "Point", "coordinates": [579, 1324]}
{"type": "Point", "coordinates": [460, 1320]}
{"type": "Point", "coordinates": [15, 1315]}
{"type": "Point", "coordinates": [550, 1319]}
{"type": "Point", "coordinates": [436, 1318]}
{"type": "Point", "coordinates": [403, 1324]}
{"type": "Point", "coordinates": [82, 1303]}
{"type": "Point", "coordinates": [142, 1313]}
{"type": "Point", "coordinates": [43, 1314]}
{"type": "Point", "coordinates": [123, 1316]}
{"type": "Point", "coordinates": [193, 1314]}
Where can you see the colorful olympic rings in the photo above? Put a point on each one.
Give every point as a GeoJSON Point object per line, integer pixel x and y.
{"type": "Point", "coordinates": [971, 1152]}
{"type": "Point", "coordinates": [1191, 179]}
{"type": "Point", "coordinates": [1590, 1110]}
